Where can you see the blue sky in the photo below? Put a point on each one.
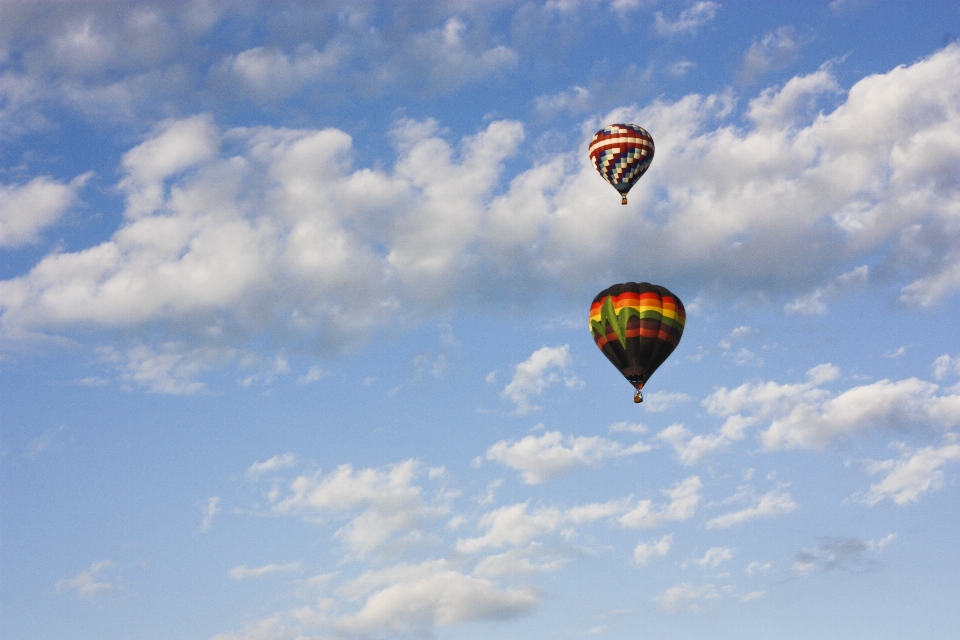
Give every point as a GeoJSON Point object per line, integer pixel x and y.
{"type": "Point", "coordinates": [293, 321]}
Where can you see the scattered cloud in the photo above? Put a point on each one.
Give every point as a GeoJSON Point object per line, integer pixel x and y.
{"type": "Point", "coordinates": [662, 400]}
{"type": "Point", "coordinates": [49, 440]}
{"type": "Point", "coordinates": [689, 20]}
{"type": "Point", "coordinates": [517, 525]}
{"type": "Point", "coordinates": [684, 498]}
{"type": "Point", "coordinates": [804, 415]}
{"type": "Point", "coordinates": [772, 503]}
{"type": "Point", "coordinates": [541, 458]}
{"type": "Point", "coordinates": [241, 572]}
{"type": "Point", "coordinates": [284, 461]}
{"type": "Point", "coordinates": [945, 365]}
{"type": "Point", "coordinates": [644, 551]}
{"type": "Point", "coordinates": [813, 303]}
{"type": "Point", "coordinates": [214, 217]}
{"type": "Point", "coordinates": [544, 368]}
{"type": "Point", "coordinates": [836, 554]}
{"type": "Point", "coordinates": [209, 513]}
{"type": "Point", "coordinates": [913, 474]}
{"type": "Point", "coordinates": [26, 210]}
{"type": "Point", "coordinates": [417, 598]}
{"type": "Point", "coordinates": [774, 51]}
{"type": "Point", "coordinates": [685, 595]}
{"type": "Point", "coordinates": [714, 556]}
{"type": "Point", "coordinates": [90, 582]}
{"type": "Point", "coordinates": [380, 504]}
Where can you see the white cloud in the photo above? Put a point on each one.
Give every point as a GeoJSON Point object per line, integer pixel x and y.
{"type": "Point", "coordinates": [772, 503]}
{"type": "Point", "coordinates": [812, 303]}
{"type": "Point", "coordinates": [284, 461]}
{"type": "Point", "coordinates": [644, 551]}
{"type": "Point", "coordinates": [417, 598]}
{"type": "Point", "coordinates": [388, 502]}
{"type": "Point", "coordinates": [627, 427]}
{"type": "Point", "coordinates": [552, 454]}
{"type": "Point", "coordinates": [268, 74]}
{"type": "Point", "coordinates": [691, 448]}
{"type": "Point", "coordinates": [516, 525]}
{"type": "Point", "coordinates": [689, 20]}
{"type": "Point", "coordinates": [684, 498]}
{"type": "Point", "coordinates": [915, 473]}
{"type": "Point", "coordinates": [314, 373]}
{"type": "Point", "coordinates": [213, 218]}
{"type": "Point", "coordinates": [265, 629]}
{"type": "Point", "coordinates": [774, 51]}
{"type": "Point", "coordinates": [28, 209]}
{"type": "Point", "coordinates": [209, 513]}
{"type": "Point", "coordinates": [663, 400]}
{"type": "Point", "coordinates": [517, 562]}
{"type": "Point", "coordinates": [756, 567]}
{"type": "Point", "coordinates": [544, 368]}
{"type": "Point", "coordinates": [946, 364]}
{"type": "Point", "coordinates": [714, 556]}
{"type": "Point", "coordinates": [242, 572]}
{"type": "Point", "coordinates": [883, 403]}
{"type": "Point", "coordinates": [90, 582]}
{"type": "Point", "coordinates": [804, 415]}
{"type": "Point", "coordinates": [575, 100]}
{"type": "Point", "coordinates": [737, 334]}
{"type": "Point", "coordinates": [449, 60]}
{"type": "Point", "coordinates": [686, 594]}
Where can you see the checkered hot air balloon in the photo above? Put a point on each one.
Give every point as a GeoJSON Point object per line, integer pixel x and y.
{"type": "Point", "coordinates": [637, 326]}
{"type": "Point", "coordinates": [622, 153]}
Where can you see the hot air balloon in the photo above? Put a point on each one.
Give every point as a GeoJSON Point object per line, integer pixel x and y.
{"type": "Point", "coordinates": [637, 326]}
{"type": "Point", "coordinates": [622, 153]}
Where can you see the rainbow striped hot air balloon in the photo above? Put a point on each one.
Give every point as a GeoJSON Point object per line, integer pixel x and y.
{"type": "Point", "coordinates": [637, 326]}
{"type": "Point", "coordinates": [622, 153]}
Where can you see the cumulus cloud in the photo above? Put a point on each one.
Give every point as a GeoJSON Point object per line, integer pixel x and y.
{"type": "Point", "coordinates": [946, 364]}
{"type": "Point", "coordinates": [913, 474]}
{"type": "Point", "coordinates": [714, 556]}
{"type": "Point", "coordinates": [644, 551]}
{"type": "Point", "coordinates": [688, 21]}
{"type": "Point", "coordinates": [805, 415]}
{"type": "Point", "coordinates": [90, 582]}
{"type": "Point", "coordinates": [242, 572]}
{"type": "Point", "coordinates": [663, 400]}
{"type": "Point", "coordinates": [380, 504]}
{"type": "Point", "coordinates": [544, 368]}
{"type": "Point", "coordinates": [552, 454]}
{"type": "Point", "coordinates": [684, 498]}
{"type": "Point", "coordinates": [210, 511]}
{"type": "Point", "coordinates": [275, 463]}
{"type": "Point", "coordinates": [772, 503]}
{"type": "Point", "coordinates": [774, 51]}
{"type": "Point", "coordinates": [432, 594]}
{"type": "Point", "coordinates": [685, 595]}
{"type": "Point", "coordinates": [575, 100]}
{"type": "Point", "coordinates": [26, 210]}
{"type": "Point", "coordinates": [214, 218]}
{"type": "Point", "coordinates": [690, 448]}
{"type": "Point", "coordinates": [517, 525]}
{"type": "Point", "coordinates": [269, 74]}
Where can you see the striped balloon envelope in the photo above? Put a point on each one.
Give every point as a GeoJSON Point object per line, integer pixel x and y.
{"type": "Point", "coordinates": [622, 153]}
{"type": "Point", "coordinates": [637, 326]}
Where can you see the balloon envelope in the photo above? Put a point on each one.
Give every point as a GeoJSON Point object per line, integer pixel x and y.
{"type": "Point", "coordinates": [637, 326]}
{"type": "Point", "coordinates": [622, 153]}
